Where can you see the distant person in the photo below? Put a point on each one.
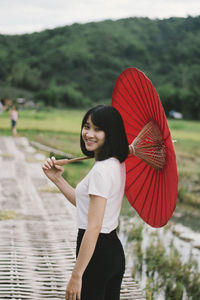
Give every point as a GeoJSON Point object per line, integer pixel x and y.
{"type": "Point", "coordinates": [1, 106]}
{"type": "Point", "coordinates": [14, 118]}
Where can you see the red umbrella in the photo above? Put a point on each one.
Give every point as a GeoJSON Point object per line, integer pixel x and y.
{"type": "Point", "coordinates": [152, 177]}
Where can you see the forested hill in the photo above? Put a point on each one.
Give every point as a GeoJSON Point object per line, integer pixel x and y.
{"type": "Point", "coordinates": [77, 65]}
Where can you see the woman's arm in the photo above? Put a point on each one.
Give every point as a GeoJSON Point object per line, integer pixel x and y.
{"type": "Point", "coordinates": [54, 173]}
{"type": "Point", "coordinates": [95, 219]}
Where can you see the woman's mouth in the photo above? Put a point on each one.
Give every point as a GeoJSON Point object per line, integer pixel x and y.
{"type": "Point", "coordinates": [89, 142]}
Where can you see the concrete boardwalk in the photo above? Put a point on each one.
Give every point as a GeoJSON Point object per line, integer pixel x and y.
{"type": "Point", "coordinates": [37, 243]}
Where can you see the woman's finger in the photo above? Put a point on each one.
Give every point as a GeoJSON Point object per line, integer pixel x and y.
{"type": "Point", "coordinates": [58, 167]}
{"type": "Point", "coordinates": [44, 167]}
{"type": "Point", "coordinates": [66, 295]}
{"type": "Point", "coordinates": [47, 164]}
{"type": "Point", "coordinates": [50, 162]}
{"type": "Point", "coordinates": [73, 296]}
{"type": "Point", "coordinates": [70, 295]}
{"type": "Point", "coordinates": [53, 159]}
{"type": "Point", "coordinates": [78, 296]}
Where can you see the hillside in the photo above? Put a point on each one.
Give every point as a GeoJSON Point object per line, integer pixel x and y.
{"type": "Point", "coordinates": [77, 65]}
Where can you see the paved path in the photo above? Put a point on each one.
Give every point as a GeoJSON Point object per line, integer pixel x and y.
{"type": "Point", "coordinates": [37, 243]}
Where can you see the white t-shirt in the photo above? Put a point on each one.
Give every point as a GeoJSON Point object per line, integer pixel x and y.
{"type": "Point", "coordinates": [105, 179]}
{"type": "Point", "coordinates": [14, 115]}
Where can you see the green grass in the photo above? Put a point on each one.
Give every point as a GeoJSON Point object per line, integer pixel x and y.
{"type": "Point", "coordinates": [59, 129]}
{"type": "Point", "coordinates": [56, 128]}
{"type": "Point", "coordinates": [54, 120]}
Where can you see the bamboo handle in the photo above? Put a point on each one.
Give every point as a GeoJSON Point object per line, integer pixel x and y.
{"type": "Point", "coordinates": [63, 162]}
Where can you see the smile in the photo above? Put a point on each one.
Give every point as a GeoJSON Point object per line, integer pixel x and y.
{"type": "Point", "coordinates": [89, 141]}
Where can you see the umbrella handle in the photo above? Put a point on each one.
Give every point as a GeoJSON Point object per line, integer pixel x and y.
{"type": "Point", "coordinates": [63, 162]}
{"type": "Point", "coordinates": [131, 149]}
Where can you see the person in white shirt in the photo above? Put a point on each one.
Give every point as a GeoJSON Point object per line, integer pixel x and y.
{"type": "Point", "coordinates": [14, 118]}
{"type": "Point", "coordinates": [100, 264]}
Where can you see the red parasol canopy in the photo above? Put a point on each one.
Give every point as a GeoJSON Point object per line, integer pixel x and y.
{"type": "Point", "coordinates": [151, 191]}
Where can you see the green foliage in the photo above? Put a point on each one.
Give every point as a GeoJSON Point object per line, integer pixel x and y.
{"type": "Point", "coordinates": [135, 233]}
{"type": "Point", "coordinates": [155, 258]}
{"type": "Point", "coordinates": [22, 75]}
{"type": "Point", "coordinates": [151, 289]}
{"type": "Point", "coordinates": [63, 96]}
{"type": "Point", "coordinates": [174, 291]}
{"type": "Point", "coordinates": [165, 271]}
{"type": "Point", "coordinates": [8, 91]}
{"type": "Point", "coordinates": [138, 264]}
{"type": "Point", "coordinates": [77, 65]}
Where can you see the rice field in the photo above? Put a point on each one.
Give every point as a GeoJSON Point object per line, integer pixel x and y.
{"type": "Point", "coordinates": [60, 129]}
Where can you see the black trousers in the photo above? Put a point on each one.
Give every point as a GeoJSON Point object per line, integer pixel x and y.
{"type": "Point", "coordinates": [103, 276]}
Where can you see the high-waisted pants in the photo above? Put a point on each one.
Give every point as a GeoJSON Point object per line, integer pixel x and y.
{"type": "Point", "coordinates": [103, 276]}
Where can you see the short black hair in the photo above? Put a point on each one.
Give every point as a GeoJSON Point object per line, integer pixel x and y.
{"type": "Point", "coordinates": [108, 119]}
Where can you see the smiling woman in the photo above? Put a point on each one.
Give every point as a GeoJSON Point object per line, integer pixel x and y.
{"type": "Point", "coordinates": [98, 199]}
{"type": "Point", "coordinates": [106, 127]}
{"type": "Point", "coordinates": [92, 136]}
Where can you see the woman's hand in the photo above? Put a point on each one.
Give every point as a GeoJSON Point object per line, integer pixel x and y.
{"type": "Point", "coordinates": [51, 170]}
{"type": "Point", "coordinates": [73, 290]}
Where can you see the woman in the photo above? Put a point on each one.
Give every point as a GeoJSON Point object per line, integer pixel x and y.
{"type": "Point", "coordinates": [100, 264]}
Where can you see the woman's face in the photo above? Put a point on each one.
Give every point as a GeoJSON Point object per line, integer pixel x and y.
{"type": "Point", "coordinates": [93, 137]}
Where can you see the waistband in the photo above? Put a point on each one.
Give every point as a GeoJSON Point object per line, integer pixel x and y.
{"type": "Point", "coordinates": [112, 233]}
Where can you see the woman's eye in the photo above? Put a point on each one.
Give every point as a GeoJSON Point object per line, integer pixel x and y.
{"type": "Point", "coordinates": [97, 129]}
{"type": "Point", "coordinates": [86, 126]}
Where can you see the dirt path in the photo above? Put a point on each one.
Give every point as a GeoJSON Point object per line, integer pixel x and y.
{"type": "Point", "coordinates": [38, 233]}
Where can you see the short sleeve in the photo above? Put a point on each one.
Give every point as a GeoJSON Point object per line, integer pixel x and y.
{"type": "Point", "coordinates": [100, 182]}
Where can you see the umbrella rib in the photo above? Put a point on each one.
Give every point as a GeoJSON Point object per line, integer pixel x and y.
{"type": "Point", "coordinates": [159, 108]}
{"type": "Point", "coordinates": [140, 108]}
{"type": "Point", "coordinates": [148, 82]}
{"type": "Point", "coordinates": [167, 136]}
{"type": "Point", "coordinates": [130, 134]}
{"type": "Point", "coordinates": [150, 169]}
{"type": "Point", "coordinates": [156, 98]}
{"type": "Point", "coordinates": [128, 114]}
{"type": "Point", "coordinates": [153, 196]}
{"type": "Point", "coordinates": [145, 79]}
{"type": "Point", "coordinates": [162, 112]}
{"type": "Point", "coordinates": [132, 183]}
{"type": "Point", "coordinates": [153, 102]}
{"type": "Point", "coordinates": [118, 90]}
{"type": "Point", "coordinates": [139, 163]}
{"type": "Point", "coordinates": [129, 106]}
{"type": "Point", "coordinates": [140, 99]}
{"type": "Point", "coordinates": [157, 198]}
{"type": "Point", "coordinates": [165, 202]}
{"type": "Point", "coordinates": [163, 118]}
{"type": "Point", "coordinates": [132, 99]}
{"type": "Point", "coordinates": [162, 186]}
{"type": "Point", "coordinates": [142, 186]}
{"type": "Point", "coordinates": [145, 95]}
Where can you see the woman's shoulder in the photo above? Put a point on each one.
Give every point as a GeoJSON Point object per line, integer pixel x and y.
{"type": "Point", "coordinates": [110, 164]}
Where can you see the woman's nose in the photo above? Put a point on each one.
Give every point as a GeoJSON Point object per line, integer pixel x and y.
{"type": "Point", "coordinates": [90, 133]}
